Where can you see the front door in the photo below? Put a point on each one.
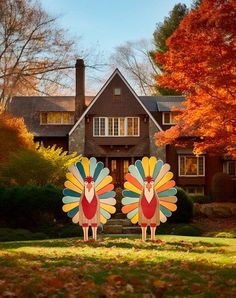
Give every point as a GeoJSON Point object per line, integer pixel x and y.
{"type": "Point", "coordinates": [119, 167]}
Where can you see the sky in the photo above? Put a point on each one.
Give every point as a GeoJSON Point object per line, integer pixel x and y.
{"type": "Point", "coordinates": [102, 25]}
{"type": "Point", "coordinates": [110, 23]}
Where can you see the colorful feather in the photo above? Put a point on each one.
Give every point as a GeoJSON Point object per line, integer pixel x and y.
{"type": "Point", "coordinates": [97, 171]}
{"type": "Point", "coordinates": [135, 173]}
{"type": "Point", "coordinates": [145, 164]}
{"type": "Point", "coordinates": [152, 165]}
{"type": "Point", "coordinates": [73, 212]}
{"type": "Point", "coordinates": [139, 166]}
{"type": "Point", "coordinates": [158, 166]}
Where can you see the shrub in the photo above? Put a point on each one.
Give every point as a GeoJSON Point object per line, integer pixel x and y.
{"type": "Point", "coordinates": [27, 167]}
{"type": "Point", "coordinates": [201, 199]}
{"type": "Point", "coordinates": [184, 212]}
{"type": "Point", "coordinates": [223, 188]}
{"type": "Point", "coordinates": [39, 167]}
{"type": "Point", "coordinates": [60, 160]}
{"type": "Point", "coordinates": [187, 230]}
{"type": "Point", "coordinates": [71, 230]}
{"type": "Point", "coordinates": [7, 234]}
{"type": "Point", "coordinates": [39, 236]}
{"type": "Point", "coordinates": [178, 229]}
{"type": "Point", "coordinates": [30, 206]}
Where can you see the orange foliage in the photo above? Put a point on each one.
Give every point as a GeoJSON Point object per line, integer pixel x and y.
{"type": "Point", "coordinates": [201, 63]}
{"type": "Point", "coordinates": [13, 136]}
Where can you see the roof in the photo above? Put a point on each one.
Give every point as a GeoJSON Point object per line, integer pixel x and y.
{"type": "Point", "coordinates": [29, 107]}
{"type": "Point", "coordinates": [101, 91]}
{"type": "Point", "coordinates": [162, 103]}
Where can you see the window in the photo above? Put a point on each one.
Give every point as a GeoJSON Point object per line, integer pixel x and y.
{"type": "Point", "coordinates": [117, 91]}
{"type": "Point", "coordinates": [190, 165]}
{"type": "Point", "coordinates": [169, 117]}
{"type": "Point", "coordinates": [116, 126]}
{"type": "Point", "coordinates": [54, 118]}
{"type": "Point", "coordinates": [99, 126]}
{"type": "Point", "coordinates": [230, 168]}
{"type": "Point", "coordinates": [194, 190]}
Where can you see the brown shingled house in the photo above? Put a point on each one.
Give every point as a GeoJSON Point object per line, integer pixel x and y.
{"type": "Point", "coordinates": [116, 126]}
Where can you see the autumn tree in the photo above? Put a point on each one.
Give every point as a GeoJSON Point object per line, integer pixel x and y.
{"type": "Point", "coordinates": [200, 63]}
{"type": "Point", "coordinates": [13, 135]}
{"type": "Point", "coordinates": [35, 53]}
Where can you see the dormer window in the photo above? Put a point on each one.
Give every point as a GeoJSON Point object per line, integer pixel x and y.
{"type": "Point", "coordinates": [117, 91]}
{"type": "Point", "coordinates": [169, 118]}
{"type": "Point", "coordinates": [57, 118]}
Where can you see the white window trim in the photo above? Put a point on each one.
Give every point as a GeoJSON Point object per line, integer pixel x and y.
{"type": "Point", "coordinates": [226, 168]}
{"type": "Point", "coordinates": [116, 136]}
{"type": "Point", "coordinates": [61, 123]}
{"type": "Point", "coordinates": [182, 155]}
{"type": "Point", "coordinates": [171, 118]}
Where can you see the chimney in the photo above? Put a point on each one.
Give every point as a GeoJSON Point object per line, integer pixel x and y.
{"type": "Point", "coordinates": [79, 88]}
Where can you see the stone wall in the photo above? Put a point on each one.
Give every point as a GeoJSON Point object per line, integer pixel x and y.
{"type": "Point", "coordinates": [77, 139]}
{"type": "Point", "coordinates": [159, 152]}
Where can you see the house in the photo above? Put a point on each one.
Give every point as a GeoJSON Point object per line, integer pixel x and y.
{"type": "Point", "coordinates": [117, 127]}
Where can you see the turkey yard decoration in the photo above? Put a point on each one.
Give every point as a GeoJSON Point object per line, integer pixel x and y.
{"type": "Point", "coordinates": [89, 196]}
{"type": "Point", "coordinates": [149, 195]}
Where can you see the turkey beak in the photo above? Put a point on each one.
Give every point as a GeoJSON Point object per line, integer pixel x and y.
{"type": "Point", "coordinates": [149, 186]}
{"type": "Point", "coordinates": [89, 186]}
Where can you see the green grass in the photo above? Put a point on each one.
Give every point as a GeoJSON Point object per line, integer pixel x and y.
{"type": "Point", "coordinates": [177, 266]}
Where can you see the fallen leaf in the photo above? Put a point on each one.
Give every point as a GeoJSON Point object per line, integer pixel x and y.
{"type": "Point", "coordinates": [159, 283]}
{"type": "Point", "coordinates": [116, 279]}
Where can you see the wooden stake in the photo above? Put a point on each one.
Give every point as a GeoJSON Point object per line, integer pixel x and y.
{"type": "Point", "coordinates": [94, 230]}
{"type": "Point", "coordinates": [144, 231]}
{"type": "Point", "coordinates": [153, 231]}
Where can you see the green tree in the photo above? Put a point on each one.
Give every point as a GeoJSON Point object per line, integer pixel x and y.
{"type": "Point", "coordinates": [162, 32]}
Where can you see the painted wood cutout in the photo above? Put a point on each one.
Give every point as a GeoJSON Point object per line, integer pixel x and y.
{"type": "Point", "coordinates": [149, 195]}
{"type": "Point", "coordinates": [89, 196]}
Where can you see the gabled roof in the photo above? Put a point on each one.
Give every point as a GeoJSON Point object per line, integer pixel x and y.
{"type": "Point", "coordinates": [162, 103]}
{"type": "Point", "coordinates": [101, 91]}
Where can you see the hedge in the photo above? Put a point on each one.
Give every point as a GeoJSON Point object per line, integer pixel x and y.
{"type": "Point", "coordinates": [30, 206]}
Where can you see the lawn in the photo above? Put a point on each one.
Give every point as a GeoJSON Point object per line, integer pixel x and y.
{"type": "Point", "coordinates": [175, 266]}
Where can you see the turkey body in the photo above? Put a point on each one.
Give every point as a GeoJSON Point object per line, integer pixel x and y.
{"type": "Point", "coordinates": [149, 211]}
{"type": "Point", "coordinates": [89, 211]}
